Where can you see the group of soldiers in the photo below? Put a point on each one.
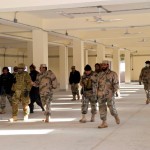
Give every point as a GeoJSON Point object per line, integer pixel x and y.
{"type": "Point", "coordinates": [27, 89]}
{"type": "Point", "coordinates": [98, 86]}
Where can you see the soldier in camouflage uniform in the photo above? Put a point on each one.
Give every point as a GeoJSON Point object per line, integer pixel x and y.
{"type": "Point", "coordinates": [46, 81]}
{"type": "Point", "coordinates": [88, 83]}
{"type": "Point", "coordinates": [21, 90]}
{"type": "Point", "coordinates": [108, 84]}
{"type": "Point", "coordinates": [145, 78]}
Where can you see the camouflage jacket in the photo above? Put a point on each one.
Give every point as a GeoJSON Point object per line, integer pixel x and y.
{"type": "Point", "coordinates": [108, 84]}
{"type": "Point", "coordinates": [145, 75]}
{"type": "Point", "coordinates": [89, 84]}
{"type": "Point", "coordinates": [46, 82]}
{"type": "Point", "coordinates": [23, 82]}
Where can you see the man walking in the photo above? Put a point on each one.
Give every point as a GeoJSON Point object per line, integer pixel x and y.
{"type": "Point", "coordinates": [108, 84]}
{"type": "Point", "coordinates": [74, 80]}
{"type": "Point", "coordinates": [46, 81]}
{"type": "Point", "coordinates": [145, 78]}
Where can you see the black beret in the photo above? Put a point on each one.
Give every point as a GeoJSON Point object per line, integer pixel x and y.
{"type": "Point", "coordinates": [87, 68]}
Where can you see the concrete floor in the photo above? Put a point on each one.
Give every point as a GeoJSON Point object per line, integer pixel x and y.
{"type": "Point", "coordinates": [64, 132]}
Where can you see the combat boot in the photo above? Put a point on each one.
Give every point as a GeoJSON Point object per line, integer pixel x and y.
{"type": "Point", "coordinates": [74, 98]}
{"type": "Point", "coordinates": [103, 125]}
{"type": "Point", "coordinates": [117, 119]}
{"type": "Point", "coordinates": [83, 120]}
{"type": "Point", "coordinates": [93, 118]}
{"type": "Point", "coordinates": [2, 111]}
{"type": "Point", "coordinates": [47, 119]}
{"type": "Point", "coordinates": [147, 101]}
{"type": "Point", "coordinates": [14, 118]}
{"type": "Point", "coordinates": [25, 117]}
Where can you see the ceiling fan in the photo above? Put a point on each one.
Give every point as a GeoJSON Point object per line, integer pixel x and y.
{"type": "Point", "coordinates": [144, 40]}
{"type": "Point", "coordinates": [99, 18]}
{"type": "Point", "coordinates": [130, 33]}
{"type": "Point", "coordinates": [68, 15]}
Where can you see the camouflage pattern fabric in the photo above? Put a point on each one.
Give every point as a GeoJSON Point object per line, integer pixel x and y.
{"type": "Point", "coordinates": [46, 82]}
{"type": "Point", "coordinates": [3, 99]}
{"type": "Point", "coordinates": [108, 84]}
{"type": "Point", "coordinates": [88, 83]}
{"type": "Point", "coordinates": [23, 83]}
{"type": "Point", "coordinates": [75, 89]}
{"type": "Point", "coordinates": [145, 78]}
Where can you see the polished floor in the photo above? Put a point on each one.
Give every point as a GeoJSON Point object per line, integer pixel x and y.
{"type": "Point", "coordinates": [64, 132]}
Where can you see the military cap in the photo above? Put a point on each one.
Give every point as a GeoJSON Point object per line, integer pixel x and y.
{"type": "Point", "coordinates": [87, 68]}
{"type": "Point", "coordinates": [43, 65]}
{"type": "Point", "coordinates": [21, 65]}
{"type": "Point", "coordinates": [147, 62]}
{"type": "Point", "coordinates": [105, 62]}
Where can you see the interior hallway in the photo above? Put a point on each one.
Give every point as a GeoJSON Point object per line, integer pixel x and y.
{"type": "Point", "coordinates": [66, 133]}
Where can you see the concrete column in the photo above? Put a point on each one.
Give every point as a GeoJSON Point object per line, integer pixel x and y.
{"type": "Point", "coordinates": [78, 55]}
{"type": "Point", "coordinates": [40, 47]}
{"type": "Point", "coordinates": [127, 67]}
{"type": "Point", "coordinates": [116, 62]}
{"type": "Point", "coordinates": [29, 54]}
{"type": "Point", "coordinates": [100, 53]}
{"type": "Point", "coordinates": [63, 65]}
{"type": "Point", "coordinates": [86, 52]}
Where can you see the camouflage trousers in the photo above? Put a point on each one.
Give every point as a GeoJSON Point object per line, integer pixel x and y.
{"type": "Point", "coordinates": [85, 104]}
{"type": "Point", "coordinates": [3, 99]}
{"type": "Point", "coordinates": [75, 89]}
{"type": "Point", "coordinates": [147, 90]}
{"type": "Point", "coordinates": [103, 103]}
{"type": "Point", "coordinates": [46, 103]}
{"type": "Point", "coordinates": [16, 99]}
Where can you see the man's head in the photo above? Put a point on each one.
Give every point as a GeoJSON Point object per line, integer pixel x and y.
{"type": "Point", "coordinates": [147, 63]}
{"type": "Point", "coordinates": [73, 68]}
{"type": "Point", "coordinates": [97, 67]}
{"type": "Point", "coordinates": [5, 70]}
{"type": "Point", "coordinates": [104, 65]}
{"type": "Point", "coordinates": [21, 67]}
{"type": "Point", "coordinates": [43, 68]}
{"type": "Point", "coordinates": [32, 67]}
{"type": "Point", "coordinates": [15, 69]}
{"type": "Point", "coordinates": [87, 69]}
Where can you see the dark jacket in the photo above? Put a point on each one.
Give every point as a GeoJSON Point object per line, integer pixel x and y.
{"type": "Point", "coordinates": [74, 77]}
{"type": "Point", "coordinates": [33, 74]}
{"type": "Point", "coordinates": [6, 82]}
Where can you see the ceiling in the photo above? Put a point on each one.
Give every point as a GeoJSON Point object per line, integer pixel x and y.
{"type": "Point", "coordinates": [122, 25]}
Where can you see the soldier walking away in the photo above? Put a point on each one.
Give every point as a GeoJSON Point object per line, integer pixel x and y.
{"type": "Point", "coordinates": [46, 81]}
{"type": "Point", "coordinates": [6, 82]}
{"type": "Point", "coordinates": [34, 92]}
{"type": "Point", "coordinates": [108, 84]}
{"type": "Point", "coordinates": [145, 79]}
{"type": "Point", "coordinates": [88, 83]}
{"type": "Point", "coordinates": [74, 80]}
{"type": "Point", "coordinates": [21, 93]}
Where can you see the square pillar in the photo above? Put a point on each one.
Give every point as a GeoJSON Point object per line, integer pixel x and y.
{"type": "Point", "coordinates": [127, 67]}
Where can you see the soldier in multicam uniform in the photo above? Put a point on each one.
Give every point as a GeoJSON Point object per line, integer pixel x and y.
{"type": "Point", "coordinates": [74, 80]}
{"type": "Point", "coordinates": [145, 78]}
{"type": "Point", "coordinates": [46, 81]}
{"type": "Point", "coordinates": [21, 90]}
{"type": "Point", "coordinates": [88, 83]}
{"type": "Point", "coordinates": [108, 84]}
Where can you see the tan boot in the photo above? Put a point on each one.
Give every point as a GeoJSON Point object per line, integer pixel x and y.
{"type": "Point", "coordinates": [117, 119]}
{"type": "Point", "coordinates": [93, 118]}
{"type": "Point", "coordinates": [147, 101]}
{"type": "Point", "coordinates": [47, 119]}
{"type": "Point", "coordinates": [83, 120]}
{"type": "Point", "coordinates": [14, 118]}
{"type": "Point", "coordinates": [78, 97]}
{"type": "Point", "coordinates": [3, 111]}
{"type": "Point", "coordinates": [103, 125]}
{"type": "Point", "coordinates": [26, 118]}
